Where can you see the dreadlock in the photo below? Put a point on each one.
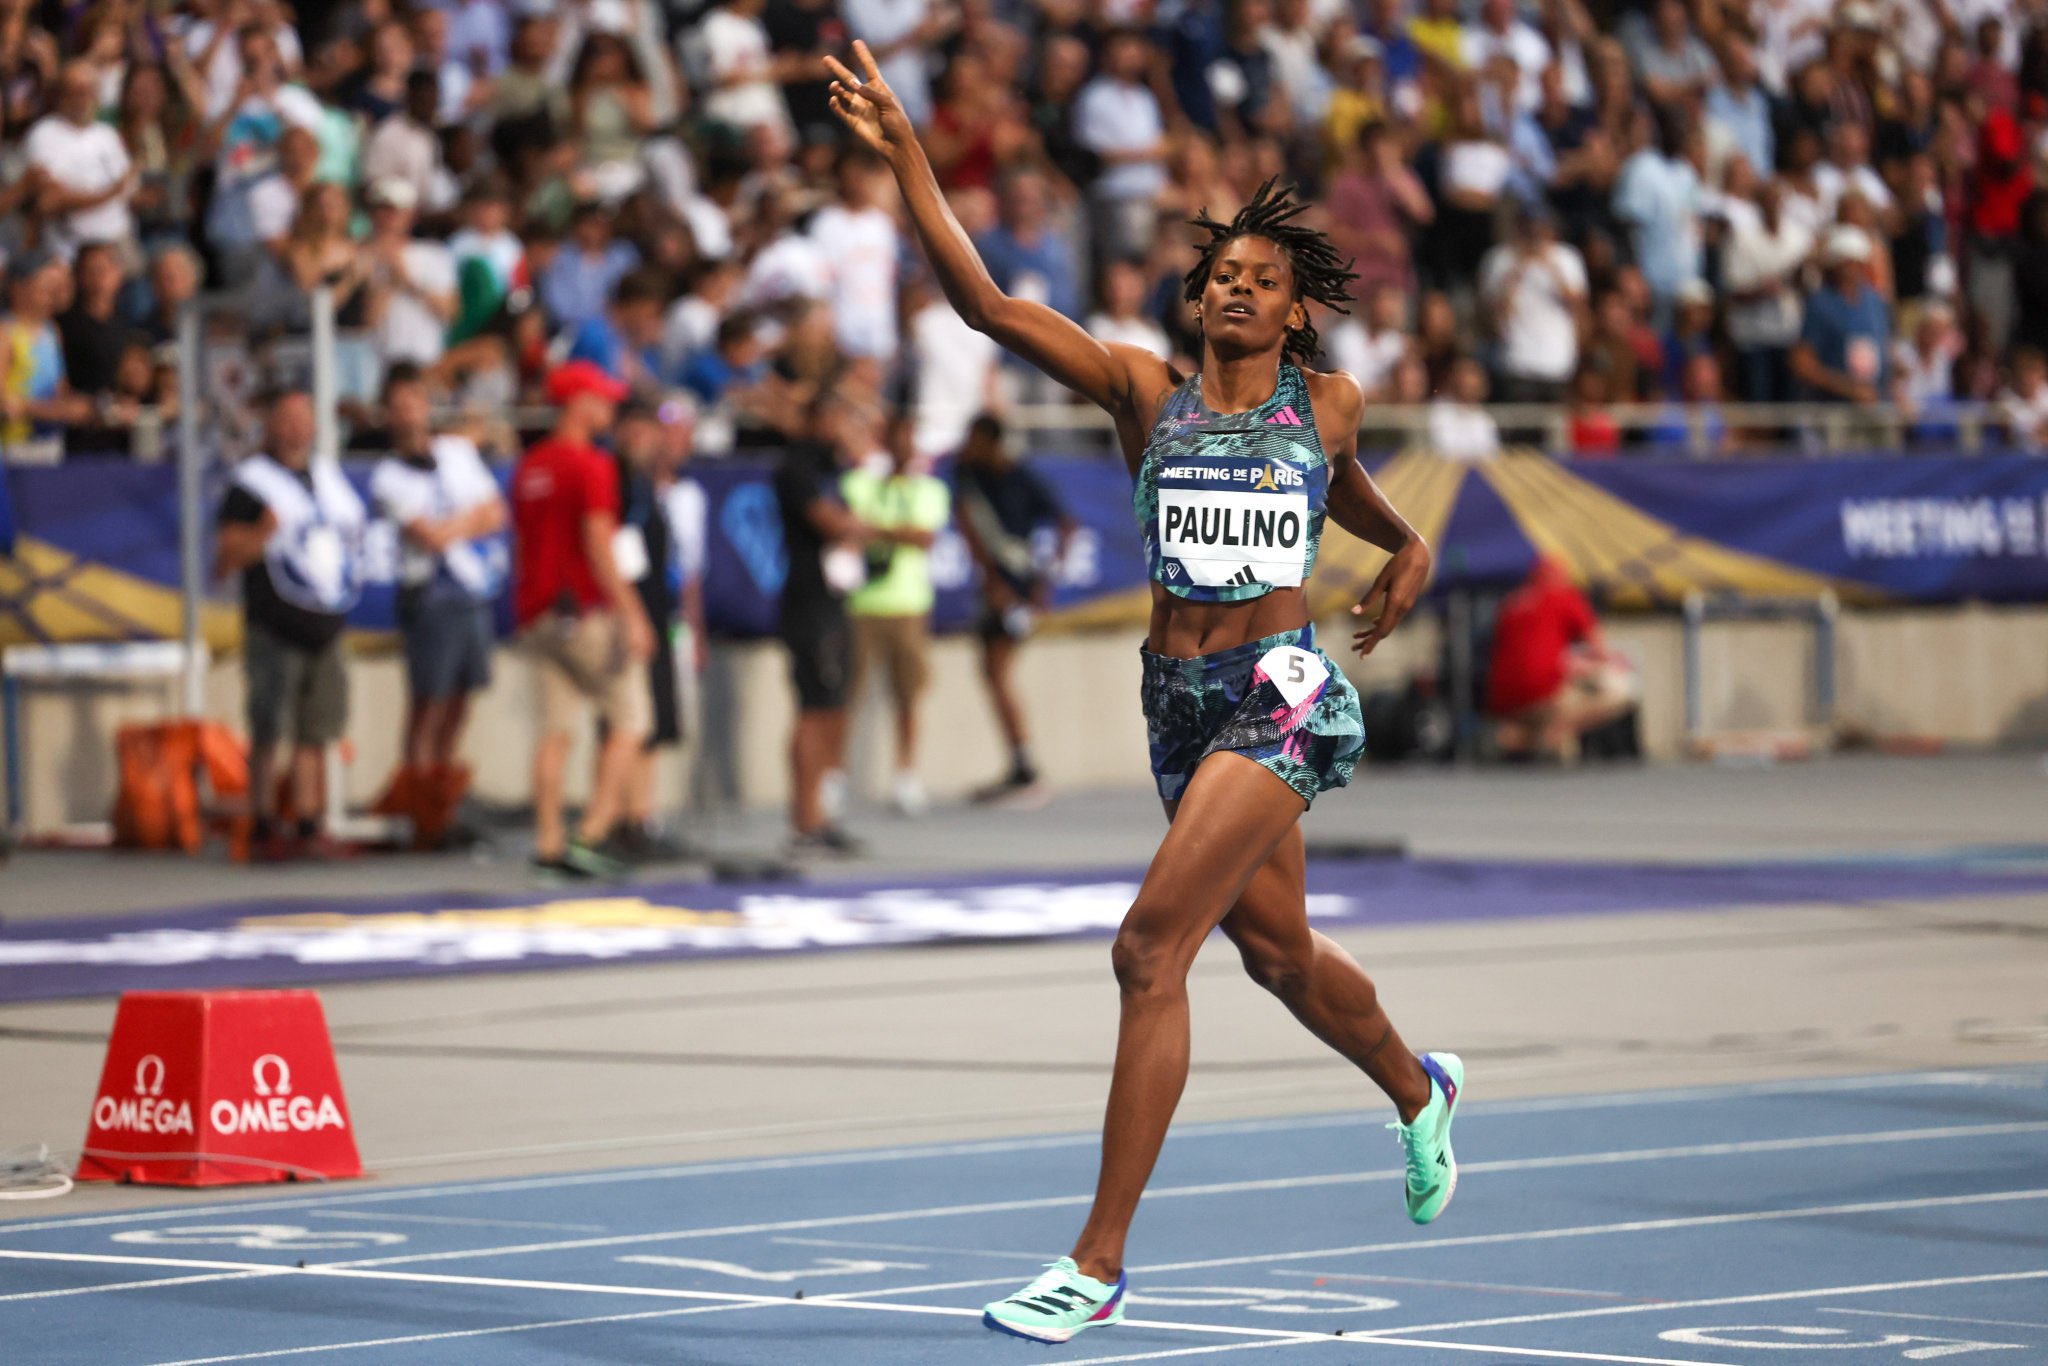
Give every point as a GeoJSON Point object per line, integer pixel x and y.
{"type": "Point", "coordinates": [1318, 274]}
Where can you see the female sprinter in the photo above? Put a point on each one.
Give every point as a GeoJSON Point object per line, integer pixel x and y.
{"type": "Point", "coordinates": [1236, 468]}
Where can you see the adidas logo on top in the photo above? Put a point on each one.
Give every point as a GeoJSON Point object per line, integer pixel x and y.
{"type": "Point", "coordinates": [1284, 418]}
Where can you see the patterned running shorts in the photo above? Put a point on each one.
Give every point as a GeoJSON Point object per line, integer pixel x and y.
{"type": "Point", "coordinates": [1225, 701]}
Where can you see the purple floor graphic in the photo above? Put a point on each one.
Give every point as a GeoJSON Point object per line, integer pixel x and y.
{"type": "Point", "coordinates": [334, 939]}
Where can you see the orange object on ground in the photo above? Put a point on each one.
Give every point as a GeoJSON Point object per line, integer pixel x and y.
{"type": "Point", "coordinates": [158, 803]}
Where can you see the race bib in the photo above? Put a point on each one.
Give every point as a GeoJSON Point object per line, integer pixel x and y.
{"type": "Point", "coordinates": [629, 553]}
{"type": "Point", "coordinates": [1298, 674]}
{"type": "Point", "coordinates": [1222, 536]}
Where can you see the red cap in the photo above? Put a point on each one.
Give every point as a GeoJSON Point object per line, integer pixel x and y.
{"type": "Point", "coordinates": [580, 377]}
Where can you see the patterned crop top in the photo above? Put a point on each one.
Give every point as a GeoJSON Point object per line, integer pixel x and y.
{"type": "Point", "coordinates": [1231, 505]}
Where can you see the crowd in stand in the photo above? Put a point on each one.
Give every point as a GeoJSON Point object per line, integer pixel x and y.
{"type": "Point", "coordinates": [1577, 201]}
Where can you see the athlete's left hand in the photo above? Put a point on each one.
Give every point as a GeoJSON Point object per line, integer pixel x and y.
{"type": "Point", "coordinates": [1395, 590]}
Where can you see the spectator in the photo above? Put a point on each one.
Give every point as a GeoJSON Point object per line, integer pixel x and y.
{"type": "Point", "coordinates": [1923, 369]}
{"type": "Point", "coordinates": [490, 258]}
{"type": "Point", "coordinates": [904, 511]}
{"type": "Point", "coordinates": [528, 106]}
{"type": "Point", "coordinates": [173, 282]}
{"type": "Point", "coordinates": [901, 33]}
{"type": "Point", "coordinates": [148, 121]}
{"type": "Point", "coordinates": [858, 240]}
{"type": "Point", "coordinates": [412, 280]}
{"type": "Point", "coordinates": [95, 336]}
{"type": "Point", "coordinates": [955, 367]}
{"type": "Point", "coordinates": [625, 340]}
{"type": "Point", "coordinates": [1002, 507]}
{"type": "Point", "coordinates": [691, 327]}
{"type": "Point", "coordinates": [2024, 404]}
{"type": "Point", "coordinates": [1691, 426]}
{"type": "Point", "coordinates": [1847, 171]}
{"type": "Point", "coordinates": [579, 618]}
{"type": "Point", "coordinates": [1122, 317]}
{"type": "Point", "coordinates": [80, 169]}
{"type": "Point", "coordinates": [35, 395]}
{"type": "Point", "coordinates": [1026, 252]}
{"type": "Point", "coordinates": [1460, 428]}
{"type": "Point", "coordinates": [1674, 65]}
{"type": "Point", "coordinates": [610, 112]}
{"type": "Point", "coordinates": [405, 149]}
{"type": "Point", "coordinates": [737, 363]}
{"type": "Point", "coordinates": [1845, 344]}
{"type": "Point", "coordinates": [1593, 432]}
{"type": "Point", "coordinates": [274, 198]}
{"type": "Point", "coordinates": [2000, 185]}
{"type": "Point", "coordinates": [1118, 119]}
{"type": "Point", "coordinates": [479, 35]}
{"type": "Point", "coordinates": [1740, 109]}
{"type": "Point", "coordinates": [685, 508]}
{"type": "Point", "coordinates": [445, 502]}
{"type": "Point", "coordinates": [1472, 168]}
{"type": "Point", "coordinates": [1535, 291]}
{"type": "Point", "coordinates": [822, 542]}
{"type": "Point", "coordinates": [1377, 205]}
{"type": "Point", "coordinates": [576, 283]}
{"type": "Point", "coordinates": [291, 525]}
{"type": "Point", "coordinates": [1760, 270]}
{"type": "Point", "coordinates": [1369, 348]}
{"type": "Point", "coordinates": [1552, 677]}
{"type": "Point", "coordinates": [1658, 196]}
{"type": "Point", "coordinates": [1500, 32]}
{"type": "Point", "coordinates": [1691, 335]}
{"type": "Point", "coordinates": [644, 522]}
{"type": "Point", "coordinates": [800, 33]}
{"type": "Point", "coordinates": [380, 90]}
{"type": "Point", "coordinates": [731, 61]}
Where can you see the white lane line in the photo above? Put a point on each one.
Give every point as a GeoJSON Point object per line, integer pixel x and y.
{"type": "Point", "coordinates": [857, 1244]}
{"type": "Point", "coordinates": [2013, 1078]}
{"type": "Point", "coordinates": [437, 1337]}
{"type": "Point", "coordinates": [133, 1285]}
{"type": "Point", "coordinates": [1320, 1276]}
{"type": "Point", "coordinates": [1522, 1164]}
{"type": "Point", "coordinates": [1771, 1297]}
{"type": "Point", "coordinates": [1534, 1235]}
{"type": "Point", "coordinates": [1937, 1318]}
{"type": "Point", "coordinates": [449, 1219]}
{"type": "Point", "coordinates": [1188, 1352]}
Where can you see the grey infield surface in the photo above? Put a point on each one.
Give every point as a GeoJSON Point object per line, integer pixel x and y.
{"type": "Point", "coordinates": [541, 1072]}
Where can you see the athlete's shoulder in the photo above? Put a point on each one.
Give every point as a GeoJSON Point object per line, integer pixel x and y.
{"type": "Point", "coordinates": [1337, 395]}
{"type": "Point", "coordinates": [1148, 377]}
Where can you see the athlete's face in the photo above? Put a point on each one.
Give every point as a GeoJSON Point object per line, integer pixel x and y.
{"type": "Point", "coordinates": [1249, 303]}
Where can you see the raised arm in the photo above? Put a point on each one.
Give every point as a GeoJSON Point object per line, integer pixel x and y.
{"type": "Point", "coordinates": [1124, 380]}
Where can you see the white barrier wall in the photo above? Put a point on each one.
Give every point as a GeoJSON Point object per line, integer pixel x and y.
{"type": "Point", "coordinates": [1970, 676]}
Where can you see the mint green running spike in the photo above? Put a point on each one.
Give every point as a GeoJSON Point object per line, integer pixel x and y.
{"type": "Point", "coordinates": [1059, 1304]}
{"type": "Point", "coordinates": [1432, 1170]}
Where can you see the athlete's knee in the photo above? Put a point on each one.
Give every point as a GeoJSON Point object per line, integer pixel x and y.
{"type": "Point", "coordinates": [1146, 963]}
{"type": "Point", "coordinates": [1282, 970]}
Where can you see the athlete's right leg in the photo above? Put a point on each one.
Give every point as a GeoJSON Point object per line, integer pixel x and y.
{"type": "Point", "coordinates": [1232, 815]}
{"type": "Point", "coordinates": [1317, 980]}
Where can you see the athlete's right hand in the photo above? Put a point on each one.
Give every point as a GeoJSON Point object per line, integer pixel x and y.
{"type": "Point", "coordinates": [867, 105]}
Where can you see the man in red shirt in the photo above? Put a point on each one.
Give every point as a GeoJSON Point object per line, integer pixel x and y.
{"type": "Point", "coordinates": [1552, 677]}
{"type": "Point", "coordinates": [578, 616]}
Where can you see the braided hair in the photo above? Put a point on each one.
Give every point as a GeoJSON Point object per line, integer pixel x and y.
{"type": "Point", "coordinates": [1318, 274]}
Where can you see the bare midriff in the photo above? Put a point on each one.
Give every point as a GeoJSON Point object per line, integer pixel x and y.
{"type": "Point", "coordinates": [1182, 629]}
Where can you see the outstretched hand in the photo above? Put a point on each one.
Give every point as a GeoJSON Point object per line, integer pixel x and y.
{"type": "Point", "coordinates": [1400, 583]}
{"type": "Point", "coordinates": [867, 105]}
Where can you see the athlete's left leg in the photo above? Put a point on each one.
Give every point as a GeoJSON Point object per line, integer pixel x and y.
{"type": "Point", "coordinates": [1230, 818]}
{"type": "Point", "coordinates": [1317, 980]}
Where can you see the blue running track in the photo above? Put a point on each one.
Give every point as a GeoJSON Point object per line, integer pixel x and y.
{"type": "Point", "coordinates": [1837, 1223]}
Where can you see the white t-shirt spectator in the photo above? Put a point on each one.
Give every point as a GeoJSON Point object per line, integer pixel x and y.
{"type": "Point", "coordinates": [1114, 116]}
{"type": "Point", "coordinates": [1140, 332]}
{"type": "Point", "coordinates": [1756, 258]}
{"type": "Point", "coordinates": [273, 204]}
{"type": "Point", "coordinates": [1924, 379]}
{"type": "Point", "coordinates": [403, 150]}
{"type": "Point", "coordinates": [1462, 431]}
{"type": "Point", "coordinates": [955, 368]}
{"type": "Point", "coordinates": [84, 160]}
{"type": "Point", "coordinates": [1790, 33]}
{"type": "Point", "coordinates": [2025, 416]}
{"type": "Point", "coordinates": [1528, 49]}
{"type": "Point", "coordinates": [1370, 357]}
{"type": "Point", "coordinates": [860, 248]}
{"type": "Point", "coordinates": [1477, 166]}
{"type": "Point", "coordinates": [458, 481]}
{"type": "Point", "coordinates": [1538, 323]}
{"type": "Point", "coordinates": [224, 76]}
{"type": "Point", "coordinates": [726, 45]}
{"type": "Point", "coordinates": [883, 24]}
{"type": "Point", "coordinates": [790, 267]}
{"type": "Point", "coordinates": [410, 330]}
{"type": "Point", "coordinates": [1833, 182]}
{"type": "Point", "coordinates": [501, 251]}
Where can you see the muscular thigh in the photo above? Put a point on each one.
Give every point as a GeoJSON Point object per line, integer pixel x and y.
{"type": "Point", "coordinates": [1269, 920]}
{"type": "Point", "coordinates": [1226, 825]}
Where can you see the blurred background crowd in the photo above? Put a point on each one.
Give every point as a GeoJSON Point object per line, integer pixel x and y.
{"type": "Point", "coordinates": [1583, 202]}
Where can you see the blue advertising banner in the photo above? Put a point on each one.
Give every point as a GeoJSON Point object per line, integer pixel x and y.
{"type": "Point", "coordinates": [96, 555]}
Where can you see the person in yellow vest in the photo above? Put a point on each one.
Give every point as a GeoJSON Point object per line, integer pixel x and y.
{"type": "Point", "coordinates": [892, 611]}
